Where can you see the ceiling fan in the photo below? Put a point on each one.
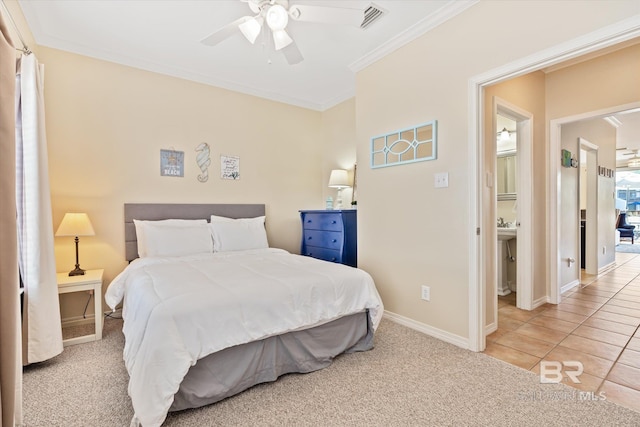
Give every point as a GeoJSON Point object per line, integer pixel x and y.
{"type": "Point", "coordinates": [275, 14]}
{"type": "Point", "coordinates": [634, 160]}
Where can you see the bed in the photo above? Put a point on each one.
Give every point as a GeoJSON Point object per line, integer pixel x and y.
{"type": "Point", "coordinates": [206, 320]}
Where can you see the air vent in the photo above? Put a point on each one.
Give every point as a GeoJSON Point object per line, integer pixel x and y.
{"type": "Point", "coordinates": [372, 14]}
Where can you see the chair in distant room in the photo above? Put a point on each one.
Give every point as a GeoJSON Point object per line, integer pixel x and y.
{"type": "Point", "coordinates": [626, 230]}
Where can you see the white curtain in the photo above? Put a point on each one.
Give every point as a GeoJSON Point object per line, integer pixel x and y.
{"type": "Point", "coordinates": [10, 349]}
{"type": "Point", "coordinates": [41, 328]}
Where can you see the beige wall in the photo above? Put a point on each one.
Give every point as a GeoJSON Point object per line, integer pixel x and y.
{"type": "Point", "coordinates": [338, 147]}
{"type": "Point", "coordinates": [424, 80]}
{"type": "Point", "coordinates": [602, 82]}
{"type": "Point", "coordinates": [106, 124]}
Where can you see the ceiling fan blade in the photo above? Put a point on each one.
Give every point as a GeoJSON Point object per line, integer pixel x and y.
{"type": "Point", "coordinates": [327, 15]}
{"type": "Point", "coordinates": [224, 32]}
{"type": "Point", "coordinates": [292, 54]}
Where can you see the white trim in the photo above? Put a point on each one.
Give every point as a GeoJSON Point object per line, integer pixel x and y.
{"type": "Point", "coordinates": [477, 280]}
{"type": "Point", "coordinates": [524, 178]}
{"type": "Point", "coordinates": [606, 267]}
{"type": "Point", "coordinates": [569, 286]}
{"type": "Point", "coordinates": [593, 191]}
{"type": "Point", "coordinates": [442, 15]}
{"type": "Point", "coordinates": [491, 328]}
{"type": "Point", "coordinates": [428, 330]}
{"type": "Point", "coordinates": [610, 35]}
{"type": "Point", "coordinates": [540, 301]}
{"type": "Point", "coordinates": [553, 162]}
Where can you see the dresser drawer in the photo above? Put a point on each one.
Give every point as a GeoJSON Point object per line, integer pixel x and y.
{"type": "Point", "coordinates": [323, 253]}
{"type": "Point", "coordinates": [330, 235]}
{"type": "Point", "coordinates": [322, 221]}
{"type": "Point", "coordinates": [323, 239]}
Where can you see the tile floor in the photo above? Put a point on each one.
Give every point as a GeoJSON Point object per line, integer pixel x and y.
{"type": "Point", "coordinates": [596, 324]}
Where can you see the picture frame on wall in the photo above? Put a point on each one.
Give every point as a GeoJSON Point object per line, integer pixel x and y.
{"type": "Point", "coordinates": [566, 158]}
{"type": "Point", "coordinates": [172, 163]}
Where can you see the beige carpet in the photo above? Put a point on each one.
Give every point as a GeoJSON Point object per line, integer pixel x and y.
{"type": "Point", "coordinates": [409, 379]}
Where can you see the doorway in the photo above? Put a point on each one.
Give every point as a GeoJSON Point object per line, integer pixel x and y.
{"type": "Point", "coordinates": [478, 290]}
{"type": "Point", "coordinates": [518, 202]}
{"type": "Point", "coordinates": [588, 202]}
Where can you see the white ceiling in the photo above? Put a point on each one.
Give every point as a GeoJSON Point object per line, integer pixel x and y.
{"type": "Point", "coordinates": [164, 36]}
{"type": "Point", "coordinates": [627, 137]}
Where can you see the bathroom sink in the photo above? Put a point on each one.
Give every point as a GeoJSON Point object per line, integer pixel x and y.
{"type": "Point", "coordinates": [506, 233]}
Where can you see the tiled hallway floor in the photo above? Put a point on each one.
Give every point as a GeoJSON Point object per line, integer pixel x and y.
{"type": "Point", "coordinates": [596, 324]}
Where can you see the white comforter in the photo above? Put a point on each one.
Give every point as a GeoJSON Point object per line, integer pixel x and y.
{"type": "Point", "coordinates": [178, 310]}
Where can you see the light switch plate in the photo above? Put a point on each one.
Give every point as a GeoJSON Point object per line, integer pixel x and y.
{"type": "Point", "coordinates": [441, 180]}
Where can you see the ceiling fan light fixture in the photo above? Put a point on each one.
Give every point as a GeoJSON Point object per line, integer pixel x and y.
{"type": "Point", "coordinates": [277, 18]}
{"type": "Point", "coordinates": [281, 39]}
{"type": "Point", "coordinates": [251, 28]}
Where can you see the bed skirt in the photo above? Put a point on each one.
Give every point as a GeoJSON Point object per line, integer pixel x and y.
{"type": "Point", "coordinates": [235, 369]}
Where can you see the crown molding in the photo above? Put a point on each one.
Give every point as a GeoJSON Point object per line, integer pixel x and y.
{"type": "Point", "coordinates": [442, 15]}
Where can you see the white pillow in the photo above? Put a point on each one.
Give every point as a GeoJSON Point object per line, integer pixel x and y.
{"type": "Point", "coordinates": [238, 234]}
{"type": "Point", "coordinates": [142, 225]}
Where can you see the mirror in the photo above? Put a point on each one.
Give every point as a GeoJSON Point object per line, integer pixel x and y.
{"type": "Point", "coordinates": [506, 172]}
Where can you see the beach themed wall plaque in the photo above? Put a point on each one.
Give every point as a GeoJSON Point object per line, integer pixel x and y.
{"type": "Point", "coordinates": [171, 163]}
{"type": "Point", "coordinates": [229, 167]}
{"type": "Point", "coordinates": [204, 161]}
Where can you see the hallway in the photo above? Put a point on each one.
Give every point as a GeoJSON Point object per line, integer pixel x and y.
{"type": "Point", "coordinates": [596, 324]}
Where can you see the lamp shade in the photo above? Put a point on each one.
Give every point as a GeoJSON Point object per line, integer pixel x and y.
{"type": "Point", "coordinates": [75, 224]}
{"type": "Point", "coordinates": [251, 28]}
{"type": "Point", "coordinates": [339, 179]}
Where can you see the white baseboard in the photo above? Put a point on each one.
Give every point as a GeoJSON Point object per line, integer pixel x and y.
{"type": "Point", "coordinates": [490, 328]}
{"type": "Point", "coordinates": [540, 301]}
{"type": "Point", "coordinates": [428, 330]}
{"type": "Point", "coordinates": [606, 267]}
{"type": "Point", "coordinates": [569, 285]}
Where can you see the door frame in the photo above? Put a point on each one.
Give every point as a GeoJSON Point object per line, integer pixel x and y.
{"type": "Point", "coordinates": [555, 192]}
{"type": "Point", "coordinates": [603, 37]}
{"type": "Point", "coordinates": [591, 231]}
{"type": "Point", "coordinates": [524, 185]}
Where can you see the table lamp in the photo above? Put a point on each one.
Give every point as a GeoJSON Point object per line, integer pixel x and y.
{"type": "Point", "coordinates": [75, 224]}
{"type": "Point", "coordinates": [339, 179]}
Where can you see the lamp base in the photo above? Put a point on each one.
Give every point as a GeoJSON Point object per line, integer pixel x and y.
{"type": "Point", "coordinates": [76, 272]}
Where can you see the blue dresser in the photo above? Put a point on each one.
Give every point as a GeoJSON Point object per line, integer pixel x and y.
{"type": "Point", "coordinates": [330, 235]}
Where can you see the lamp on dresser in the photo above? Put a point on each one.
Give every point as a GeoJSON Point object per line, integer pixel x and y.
{"type": "Point", "coordinates": [75, 224]}
{"type": "Point", "coordinates": [339, 179]}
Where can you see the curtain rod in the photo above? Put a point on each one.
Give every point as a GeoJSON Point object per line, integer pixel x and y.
{"type": "Point", "coordinates": [25, 48]}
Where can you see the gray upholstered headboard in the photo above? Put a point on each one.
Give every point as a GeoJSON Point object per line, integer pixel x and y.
{"type": "Point", "coordinates": [158, 211]}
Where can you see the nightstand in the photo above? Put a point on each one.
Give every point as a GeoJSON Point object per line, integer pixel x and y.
{"type": "Point", "coordinates": [330, 235]}
{"type": "Point", "coordinates": [90, 281]}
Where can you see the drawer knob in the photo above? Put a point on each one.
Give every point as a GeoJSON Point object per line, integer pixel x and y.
{"type": "Point", "coordinates": [335, 240]}
{"type": "Point", "coordinates": [309, 238]}
{"type": "Point", "coordinates": [333, 259]}
{"type": "Point", "coordinates": [309, 221]}
{"type": "Point", "coordinates": [333, 222]}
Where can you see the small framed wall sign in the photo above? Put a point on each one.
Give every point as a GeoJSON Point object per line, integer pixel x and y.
{"type": "Point", "coordinates": [566, 158]}
{"type": "Point", "coordinates": [229, 167]}
{"type": "Point", "coordinates": [171, 163]}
